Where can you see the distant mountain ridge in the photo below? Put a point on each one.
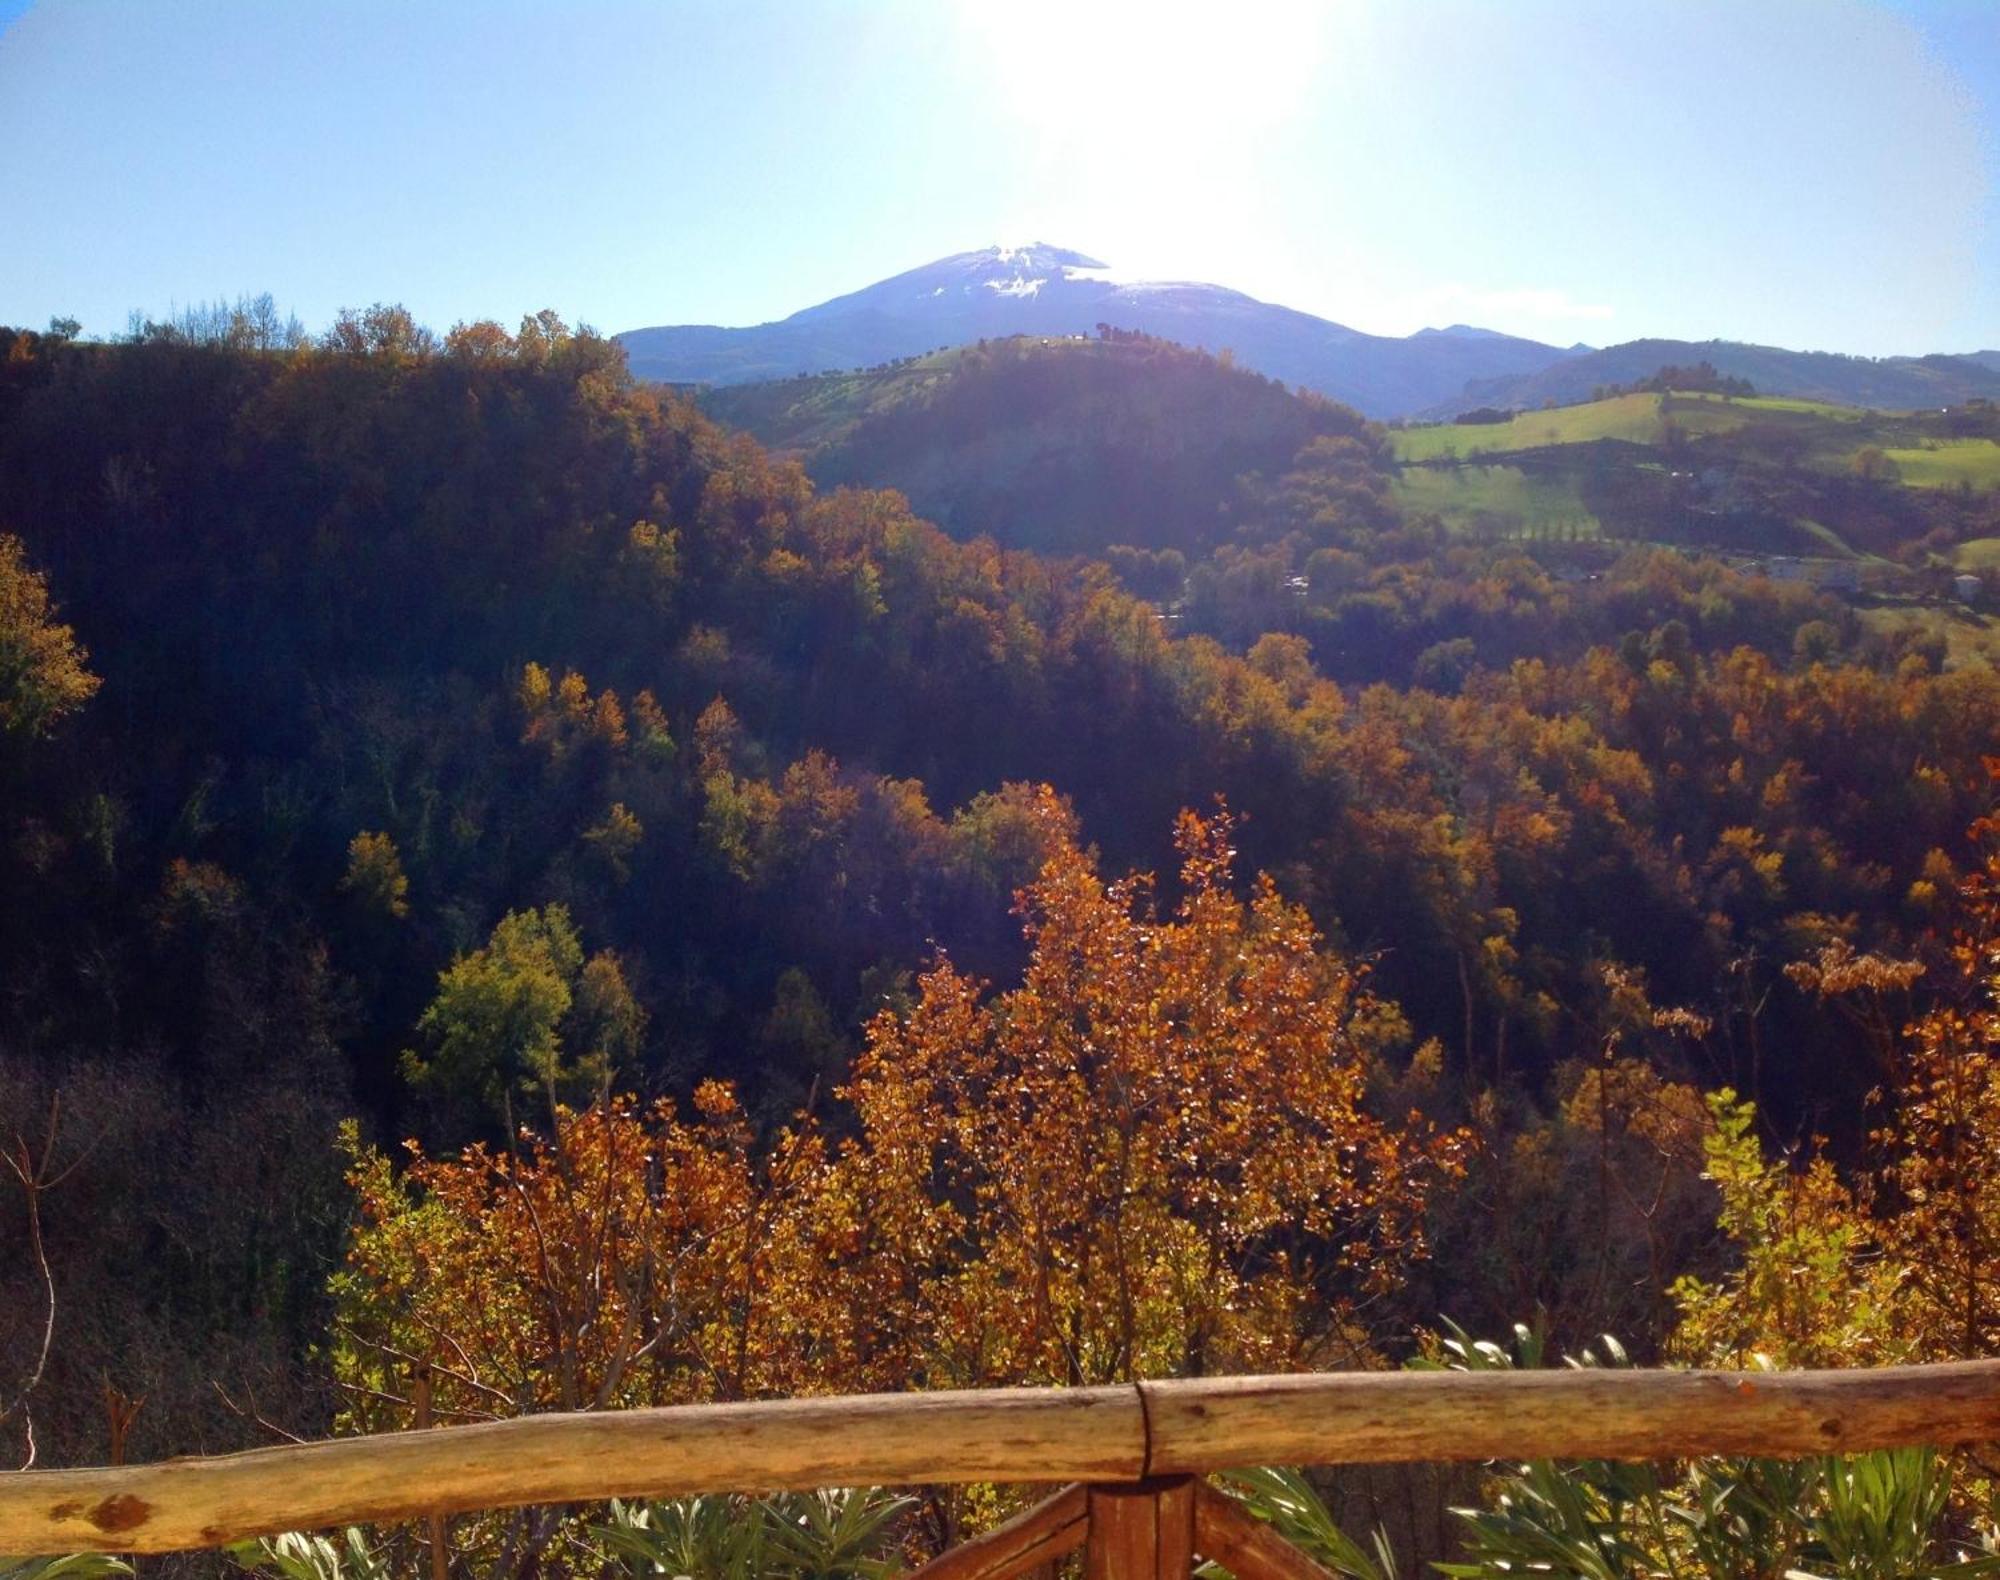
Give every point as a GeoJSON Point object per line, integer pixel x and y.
{"type": "Point", "coordinates": [1042, 290]}
{"type": "Point", "coordinates": [1886, 383]}
{"type": "Point", "coordinates": [1435, 373]}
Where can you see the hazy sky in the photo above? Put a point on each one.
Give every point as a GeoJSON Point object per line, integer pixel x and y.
{"type": "Point", "coordinates": [1812, 173]}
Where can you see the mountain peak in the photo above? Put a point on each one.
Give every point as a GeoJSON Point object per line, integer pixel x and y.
{"type": "Point", "coordinates": [1463, 332]}
{"type": "Point", "coordinates": [1040, 255]}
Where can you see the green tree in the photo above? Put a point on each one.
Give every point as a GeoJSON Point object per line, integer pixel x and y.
{"type": "Point", "coordinates": [526, 1013]}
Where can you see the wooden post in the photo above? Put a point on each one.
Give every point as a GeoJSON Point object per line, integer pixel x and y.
{"type": "Point", "coordinates": [1249, 1549]}
{"type": "Point", "coordinates": [1032, 1543]}
{"type": "Point", "coordinates": [420, 1390]}
{"type": "Point", "coordinates": [1141, 1530]}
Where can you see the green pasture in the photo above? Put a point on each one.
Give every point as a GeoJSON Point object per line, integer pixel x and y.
{"type": "Point", "coordinates": [1637, 419]}
{"type": "Point", "coordinates": [1633, 417]}
{"type": "Point", "coordinates": [1498, 500]}
{"type": "Point", "coordinates": [1946, 463]}
{"type": "Point", "coordinates": [1780, 404]}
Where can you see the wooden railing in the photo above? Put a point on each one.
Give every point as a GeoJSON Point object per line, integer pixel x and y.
{"type": "Point", "coordinates": [1137, 1451]}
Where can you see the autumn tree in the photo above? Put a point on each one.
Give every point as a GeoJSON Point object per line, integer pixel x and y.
{"type": "Point", "coordinates": [375, 876]}
{"type": "Point", "coordinates": [627, 1256]}
{"type": "Point", "coordinates": [42, 673]}
{"type": "Point", "coordinates": [1942, 1136]}
{"type": "Point", "coordinates": [562, 717]}
{"type": "Point", "coordinates": [1904, 1263]}
{"type": "Point", "coordinates": [1153, 1157]}
{"type": "Point", "coordinates": [1157, 1155]}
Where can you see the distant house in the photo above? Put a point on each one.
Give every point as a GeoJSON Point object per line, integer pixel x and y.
{"type": "Point", "coordinates": [1968, 587]}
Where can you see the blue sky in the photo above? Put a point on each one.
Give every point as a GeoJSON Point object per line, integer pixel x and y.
{"type": "Point", "coordinates": [1813, 173]}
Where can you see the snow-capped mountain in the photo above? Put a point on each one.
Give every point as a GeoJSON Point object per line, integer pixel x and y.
{"type": "Point", "coordinates": [1044, 290]}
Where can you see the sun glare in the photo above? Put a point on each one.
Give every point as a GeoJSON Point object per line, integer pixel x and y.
{"type": "Point", "coordinates": [1143, 120]}
{"type": "Point", "coordinates": [1167, 74]}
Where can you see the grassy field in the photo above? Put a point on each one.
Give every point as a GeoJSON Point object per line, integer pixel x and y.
{"type": "Point", "coordinates": [1633, 417]}
{"type": "Point", "coordinates": [1970, 637]}
{"type": "Point", "coordinates": [1501, 500]}
{"type": "Point", "coordinates": [1781, 404]}
{"type": "Point", "coordinates": [1637, 419]}
{"type": "Point", "coordinates": [1977, 554]}
{"type": "Point", "coordinates": [1945, 463]}
{"type": "Point", "coordinates": [797, 416]}
{"type": "Point", "coordinates": [1831, 543]}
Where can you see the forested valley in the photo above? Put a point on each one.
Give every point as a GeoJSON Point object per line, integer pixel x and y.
{"type": "Point", "coordinates": [506, 876]}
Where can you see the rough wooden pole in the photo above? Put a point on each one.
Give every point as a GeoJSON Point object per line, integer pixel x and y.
{"type": "Point", "coordinates": [1393, 1417]}
{"type": "Point", "coordinates": [1004, 1435]}
{"type": "Point", "coordinates": [1009, 1435]}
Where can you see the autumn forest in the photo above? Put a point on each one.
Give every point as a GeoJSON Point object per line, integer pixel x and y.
{"type": "Point", "coordinates": [520, 897]}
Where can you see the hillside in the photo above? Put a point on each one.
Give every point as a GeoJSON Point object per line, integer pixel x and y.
{"type": "Point", "coordinates": [1070, 445]}
{"type": "Point", "coordinates": [1060, 445]}
{"type": "Point", "coordinates": [448, 736]}
{"type": "Point", "coordinates": [1737, 474]}
{"type": "Point", "coordinates": [1643, 418]}
{"type": "Point", "coordinates": [1922, 448]}
{"type": "Point", "coordinates": [1042, 290]}
{"type": "Point", "coordinates": [1889, 383]}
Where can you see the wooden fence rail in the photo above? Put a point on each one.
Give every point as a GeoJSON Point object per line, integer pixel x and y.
{"type": "Point", "coordinates": [1148, 1432]}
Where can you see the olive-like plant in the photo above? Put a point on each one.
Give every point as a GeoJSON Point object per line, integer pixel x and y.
{"type": "Point", "coordinates": [1285, 1500]}
{"type": "Point", "coordinates": [1878, 1516]}
{"type": "Point", "coordinates": [831, 1535]}
{"type": "Point", "coordinates": [301, 1555]}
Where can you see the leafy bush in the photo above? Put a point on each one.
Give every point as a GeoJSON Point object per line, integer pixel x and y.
{"type": "Point", "coordinates": [300, 1555]}
{"type": "Point", "coordinates": [828, 1535]}
{"type": "Point", "coordinates": [1885, 1515]}
{"type": "Point", "coordinates": [1286, 1501]}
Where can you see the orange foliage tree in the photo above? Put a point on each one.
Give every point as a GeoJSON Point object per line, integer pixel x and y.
{"type": "Point", "coordinates": [634, 1257]}
{"type": "Point", "coordinates": [1907, 1265]}
{"type": "Point", "coordinates": [1154, 1156]}
{"type": "Point", "coordinates": [1942, 1140]}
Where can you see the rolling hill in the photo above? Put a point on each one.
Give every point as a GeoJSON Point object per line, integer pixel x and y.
{"type": "Point", "coordinates": [1755, 474]}
{"type": "Point", "coordinates": [1068, 445]}
{"type": "Point", "coordinates": [1059, 445]}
